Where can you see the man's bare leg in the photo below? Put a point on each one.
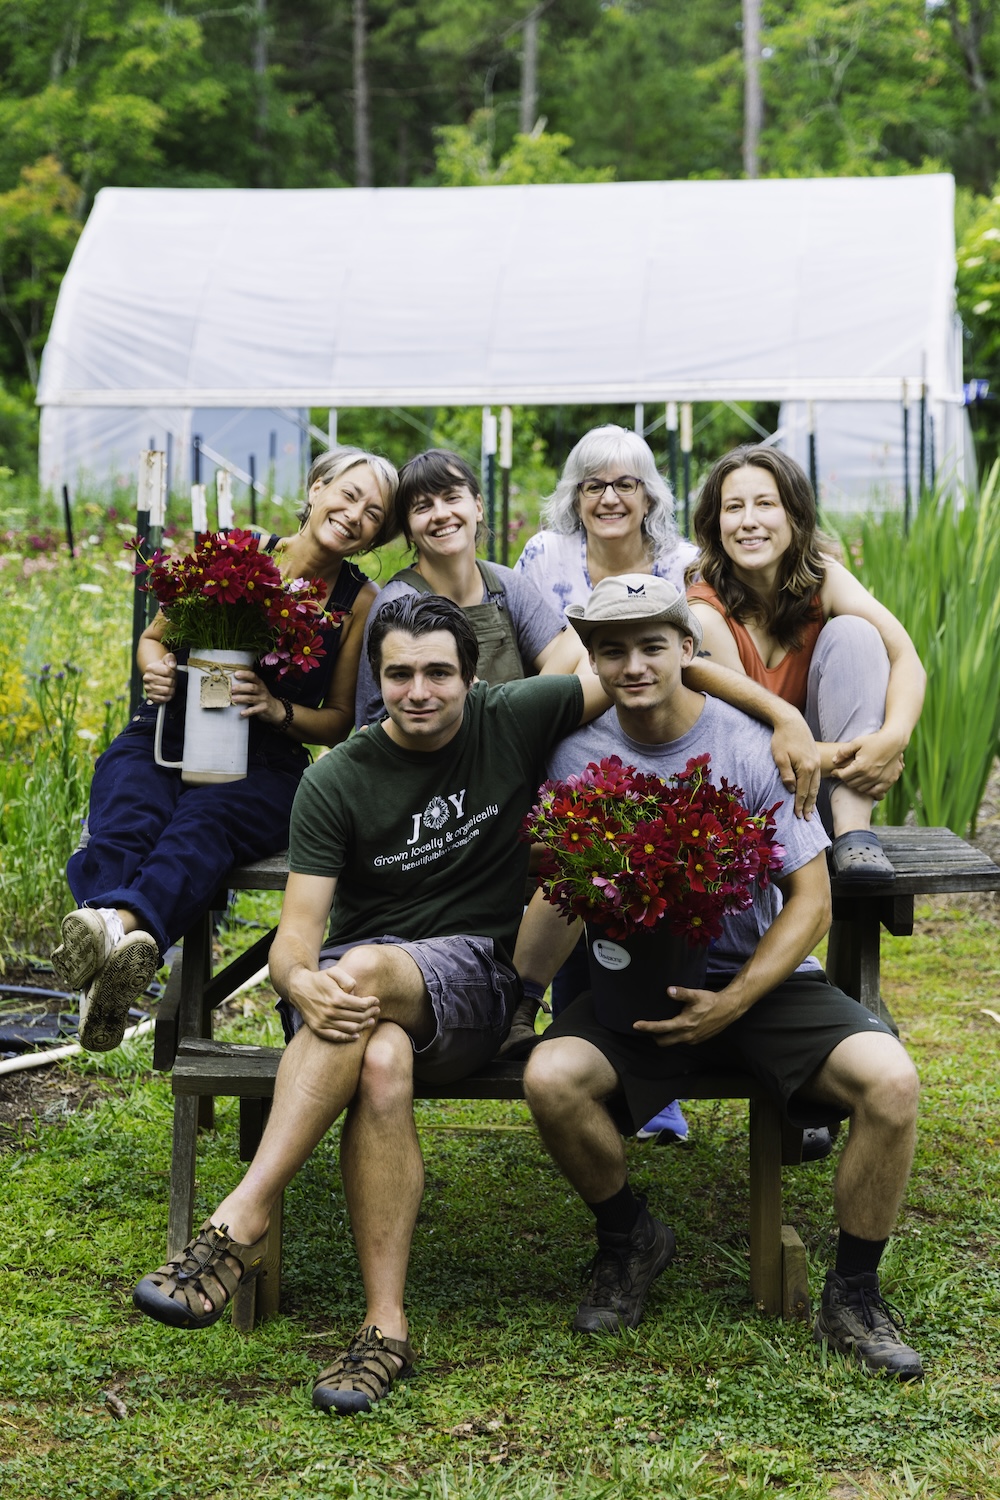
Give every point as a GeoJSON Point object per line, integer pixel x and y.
{"type": "Point", "coordinates": [565, 1081]}
{"type": "Point", "coordinates": [871, 1075]}
{"type": "Point", "coordinates": [383, 1173]}
{"type": "Point", "coordinates": [316, 1080]}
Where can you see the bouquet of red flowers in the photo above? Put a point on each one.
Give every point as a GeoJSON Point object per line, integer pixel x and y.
{"type": "Point", "coordinates": [626, 851]}
{"type": "Point", "coordinates": [227, 595]}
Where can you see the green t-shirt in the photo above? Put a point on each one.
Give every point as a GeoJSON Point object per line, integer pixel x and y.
{"type": "Point", "coordinates": [425, 844]}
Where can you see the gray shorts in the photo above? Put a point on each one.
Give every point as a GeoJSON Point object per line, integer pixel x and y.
{"type": "Point", "coordinates": [472, 993]}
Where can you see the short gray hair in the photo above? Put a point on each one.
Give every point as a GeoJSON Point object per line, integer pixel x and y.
{"type": "Point", "coordinates": [605, 448]}
{"type": "Point", "coordinates": [337, 461]}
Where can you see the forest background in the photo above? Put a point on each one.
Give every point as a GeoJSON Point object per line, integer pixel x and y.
{"type": "Point", "coordinates": [335, 93]}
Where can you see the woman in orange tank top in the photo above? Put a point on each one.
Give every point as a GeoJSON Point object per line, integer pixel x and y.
{"type": "Point", "coordinates": [775, 604]}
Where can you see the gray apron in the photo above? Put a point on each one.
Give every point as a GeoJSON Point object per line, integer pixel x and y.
{"type": "Point", "coordinates": [499, 658]}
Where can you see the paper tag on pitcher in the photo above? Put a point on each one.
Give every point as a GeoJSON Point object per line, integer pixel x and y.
{"type": "Point", "coordinates": [610, 955]}
{"type": "Point", "coordinates": [216, 689]}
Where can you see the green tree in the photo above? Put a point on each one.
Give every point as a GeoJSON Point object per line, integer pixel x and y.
{"type": "Point", "coordinates": [641, 89]}
{"type": "Point", "coordinates": [856, 86]}
{"type": "Point", "coordinates": [466, 157]}
{"type": "Point", "coordinates": [39, 226]}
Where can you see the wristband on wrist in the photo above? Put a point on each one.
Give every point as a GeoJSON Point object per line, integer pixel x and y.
{"type": "Point", "coordinates": [289, 718]}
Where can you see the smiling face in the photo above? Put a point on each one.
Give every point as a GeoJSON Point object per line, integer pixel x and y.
{"type": "Point", "coordinates": [640, 665]}
{"type": "Point", "coordinates": [346, 513]}
{"type": "Point", "coordinates": [444, 524]}
{"type": "Point", "coordinates": [610, 516]}
{"type": "Point", "coordinates": [754, 527]}
{"type": "Point", "coordinates": [422, 688]}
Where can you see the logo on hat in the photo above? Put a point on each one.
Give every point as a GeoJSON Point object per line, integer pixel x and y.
{"type": "Point", "coordinates": [640, 590]}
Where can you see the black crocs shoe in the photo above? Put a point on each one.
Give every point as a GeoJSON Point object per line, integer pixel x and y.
{"type": "Point", "coordinates": [855, 1319]}
{"type": "Point", "coordinates": [622, 1272]}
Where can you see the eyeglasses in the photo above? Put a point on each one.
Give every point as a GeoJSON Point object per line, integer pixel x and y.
{"type": "Point", "coordinates": [624, 486]}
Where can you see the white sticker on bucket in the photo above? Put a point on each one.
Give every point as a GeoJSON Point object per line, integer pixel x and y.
{"type": "Point", "coordinates": [610, 955]}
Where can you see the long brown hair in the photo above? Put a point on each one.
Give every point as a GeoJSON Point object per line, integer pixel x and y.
{"type": "Point", "coordinates": [803, 567]}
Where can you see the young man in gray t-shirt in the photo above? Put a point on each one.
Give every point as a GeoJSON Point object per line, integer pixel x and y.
{"type": "Point", "coordinates": [767, 1007]}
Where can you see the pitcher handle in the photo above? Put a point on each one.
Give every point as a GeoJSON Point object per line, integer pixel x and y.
{"type": "Point", "coordinates": [172, 765]}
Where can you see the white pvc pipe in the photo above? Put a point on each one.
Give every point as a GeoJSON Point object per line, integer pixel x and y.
{"type": "Point", "coordinates": [56, 1054]}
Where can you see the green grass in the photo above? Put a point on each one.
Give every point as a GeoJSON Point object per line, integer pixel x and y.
{"type": "Point", "coordinates": [705, 1399]}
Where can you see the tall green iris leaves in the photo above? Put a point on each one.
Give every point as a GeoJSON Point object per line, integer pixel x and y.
{"type": "Point", "coordinates": [942, 580]}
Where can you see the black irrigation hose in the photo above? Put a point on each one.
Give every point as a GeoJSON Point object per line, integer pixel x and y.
{"type": "Point", "coordinates": [28, 989]}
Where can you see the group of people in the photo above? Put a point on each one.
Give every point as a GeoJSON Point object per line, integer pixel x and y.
{"type": "Point", "coordinates": [404, 950]}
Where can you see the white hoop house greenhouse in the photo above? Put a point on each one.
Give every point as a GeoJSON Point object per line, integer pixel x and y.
{"type": "Point", "coordinates": [231, 313]}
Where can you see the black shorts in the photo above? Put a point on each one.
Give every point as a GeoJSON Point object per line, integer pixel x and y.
{"type": "Point", "coordinates": [782, 1041]}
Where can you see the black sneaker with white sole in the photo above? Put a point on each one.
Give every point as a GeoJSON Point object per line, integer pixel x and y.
{"type": "Point", "coordinates": [622, 1272]}
{"type": "Point", "coordinates": [106, 1001]}
{"type": "Point", "coordinates": [855, 1319]}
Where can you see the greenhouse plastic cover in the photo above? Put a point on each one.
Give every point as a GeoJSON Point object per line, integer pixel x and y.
{"type": "Point", "coordinates": [187, 306]}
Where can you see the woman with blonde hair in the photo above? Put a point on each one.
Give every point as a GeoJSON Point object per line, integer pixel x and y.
{"type": "Point", "coordinates": [157, 849]}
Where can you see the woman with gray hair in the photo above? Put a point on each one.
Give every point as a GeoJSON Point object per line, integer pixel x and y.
{"type": "Point", "coordinates": [610, 513]}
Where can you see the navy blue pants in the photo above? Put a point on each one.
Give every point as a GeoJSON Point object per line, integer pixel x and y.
{"type": "Point", "coordinates": [162, 849]}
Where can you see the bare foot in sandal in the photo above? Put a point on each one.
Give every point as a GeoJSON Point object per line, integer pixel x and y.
{"type": "Point", "coordinates": [192, 1290]}
{"type": "Point", "coordinates": [364, 1373]}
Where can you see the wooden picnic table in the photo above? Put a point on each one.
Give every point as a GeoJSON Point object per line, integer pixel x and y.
{"type": "Point", "coordinates": [926, 860]}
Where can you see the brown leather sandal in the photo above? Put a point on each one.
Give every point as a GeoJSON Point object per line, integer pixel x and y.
{"type": "Point", "coordinates": [212, 1266]}
{"type": "Point", "coordinates": [363, 1374]}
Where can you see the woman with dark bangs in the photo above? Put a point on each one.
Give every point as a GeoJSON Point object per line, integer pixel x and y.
{"type": "Point", "coordinates": [440, 512]}
{"type": "Point", "coordinates": [776, 605]}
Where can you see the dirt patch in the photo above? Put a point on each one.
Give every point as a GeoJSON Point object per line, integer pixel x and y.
{"type": "Point", "coordinates": [41, 1095]}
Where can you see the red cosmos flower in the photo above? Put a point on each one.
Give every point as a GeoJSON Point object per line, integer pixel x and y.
{"type": "Point", "coordinates": [309, 654]}
{"type": "Point", "coordinates": [626, 850]}
{"type": "Point", "coordinates": [227, 594]}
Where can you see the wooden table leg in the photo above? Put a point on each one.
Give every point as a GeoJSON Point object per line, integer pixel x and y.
{"type": "Point", "coordinates": [794, 1276]}
{"type": "Point", "coordinates": [193, 1020]}
{"type": "Point", "coordinates": [182, 1168]}
{"type": "Point", "coordinates": [852, 957]}
{"type": "Point", "coordinates": [853, 960]}
{"type": "Point", "coordinates": [765, 1207]}
{"type": "Point", "coordinates": [260, 1299]}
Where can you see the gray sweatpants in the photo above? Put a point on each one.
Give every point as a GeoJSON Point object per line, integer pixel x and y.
{"type": "Point", "coordinates": [848, 677]}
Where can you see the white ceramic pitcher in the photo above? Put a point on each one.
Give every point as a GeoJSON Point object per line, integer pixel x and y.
{"type": "Point", "coordinates": [216, 739]}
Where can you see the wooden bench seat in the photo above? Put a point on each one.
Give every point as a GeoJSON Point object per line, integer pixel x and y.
{"type": "Point", "coordinates": [203, 1068]}
{"type": "Point", "coordinates": [926, 860]}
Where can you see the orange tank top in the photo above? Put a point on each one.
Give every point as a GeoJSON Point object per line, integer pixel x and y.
{"type": "Point", "coordinates": [790, 678]}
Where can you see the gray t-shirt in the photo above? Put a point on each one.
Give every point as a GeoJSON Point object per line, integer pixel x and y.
{"type": "Point", "coordinates": [536, 622]}
{"type": "Point", "coordinates": [741, 752]}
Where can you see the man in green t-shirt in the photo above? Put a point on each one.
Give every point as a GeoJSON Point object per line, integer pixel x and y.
{"type": "Point", "coordinates": [406, 839]}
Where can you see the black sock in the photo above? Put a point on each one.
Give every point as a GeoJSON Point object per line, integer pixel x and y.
{"type": "Point", "coordinates": [617, 1214]}
{"type": "Point", "coordinates": [533, 990]}
{"type": "Point", "coordinates": [856, 1256]}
